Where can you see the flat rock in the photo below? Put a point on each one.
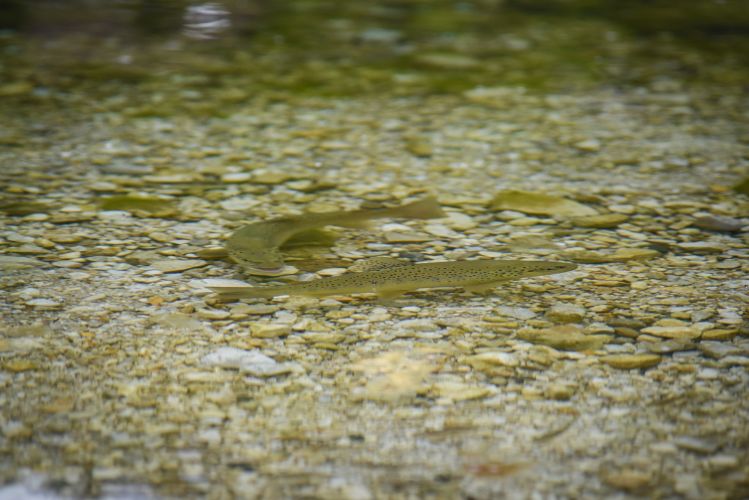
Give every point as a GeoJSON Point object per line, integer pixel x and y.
{"type": "Point", "coordinates": [631, 361]}
{"type": "Point", "coordinates": [515, 312]}
{"type": "Point", "coordinates": [268, 330]}
{"type": "Point", "coordinates": [719, 223]}
{"type": "Point", "coordinates": [701, 247]}
{"type": "Point", "coordinates": [565, 337]}
{"type": "Point", "coordinates": [406, 237]}
{"type": "Point", "coordinates": [605, 221]}
{"type": "Point", "coordinates": [177, 265]}
{"type": "Point", "coordinates": [494, 362]}
{"type": "Point", "coordinates": [718, 350]}
{"type": "Point", "coordinates": [250, 362]}
{"type": "Point", "coordinates": [539, 204]}
{"type": "Point", "coordinates": [11, 263]}
{"type": "Point", "coordinates": [566, 313]}
{"type": "Point", "coordinates": [672, 332]}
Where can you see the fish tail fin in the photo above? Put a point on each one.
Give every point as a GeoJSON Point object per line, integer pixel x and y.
{"type": "Point", "coordinates": [234, 293]}
{"type": "Point", "coordinates": [427, 208]}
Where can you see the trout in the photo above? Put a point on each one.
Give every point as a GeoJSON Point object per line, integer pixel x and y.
{"type": "Point", "coordinates": [389, 278]}
{"type": "Point", "coordinates": [255, 246]}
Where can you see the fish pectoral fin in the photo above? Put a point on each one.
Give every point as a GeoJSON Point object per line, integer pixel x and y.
{"type": "Point", "coordinates": [378, 264]}
{"type": "Point", "coordinates": [481, 288]}
{"type": "Point", "coordinates": [311, 237]}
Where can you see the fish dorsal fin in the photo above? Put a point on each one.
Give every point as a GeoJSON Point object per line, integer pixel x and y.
{"type": "Point", "coordinates": [378, 264]}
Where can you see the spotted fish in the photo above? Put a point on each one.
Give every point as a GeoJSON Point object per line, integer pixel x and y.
{"type": "Point", "coordinates": [255, 246]}
{"type": "Point", "coordinates": [389, 278]}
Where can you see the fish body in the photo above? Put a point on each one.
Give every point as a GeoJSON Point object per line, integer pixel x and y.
{"type": "Point", "coordinates": [255, 246]}
{"type": "Point", "coordinates": [389, 278]}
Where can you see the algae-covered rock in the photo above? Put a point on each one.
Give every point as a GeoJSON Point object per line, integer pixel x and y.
{"type": "Point", "coordinates": [565, 337]}
{"type": "Point", "coordinates": [631, 361]}
{"type": "Point", "coordinates": [606, 221]}
{"type": "Point", "coordinates": [140, 205]}
{"type": "Point", "coordinates": [539, 204]}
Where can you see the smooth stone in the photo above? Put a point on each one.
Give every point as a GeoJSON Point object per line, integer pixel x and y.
{"type": "Point", "coordinates": [605, 221]}
{"type": "Point", "coordinates": [212, 314]}
{"type": "Point", "coordinates": [11, 263]}
{"type": "Point", "coordinates": [560, 392]}
{"type": "Point", "coordinates": [520, 313]}
{"type": "Point", "coordinates": [672, 332]}
{"type": "Point", "coordinates": [490, 360]}
{"type": "Point", "coordinates": [631, 361]}
{"type": "Point", "coordinates": [566, 313]}
{"type": "Point", "coordinates": [217, 282]}
{"type": "Point", "coordinates": [177, 265]}
{"type": "Point", "coordinates": [460, 221]}
{"type": "Point", "coordinates": [702, 247]}
{"type": "Point", "coordinates": [626, 254]}
{"type": "Point", "coordinates": [719, 223]}
{"type": "Point", "coordinates": [697, 445]}
{"type": "Point", "coordinates": [406, 237]}
{"type": "Point", "coordinates": [267, 330]}
{"type": "Point", "coordinates": [719, 334]}
{"type": "Point", "coordinates": [718, 350]}
{"type": "Point", "coordinates": [250, 362]}
{"type": "Point", "coordinates": [43, 303]}
{"type": "Point", "coordinates": [457, 391]}
{"type": "Point", "coordinates": [669, 346]}
{"type": "Point", "coordinates": [254, 309]}
{"type": "Point", "coordinates": [588, 145]}
{"type": "Point", "coordinates": [564, 337]}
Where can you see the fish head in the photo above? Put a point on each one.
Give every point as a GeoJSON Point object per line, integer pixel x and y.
{"type": "Point", "coordinates": [264, 262]}
{"type": "Point", "coordinates": [541, 268]}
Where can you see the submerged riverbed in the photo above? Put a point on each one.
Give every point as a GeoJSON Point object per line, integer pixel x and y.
{"type": "Point", "coordinates": [134, 141]}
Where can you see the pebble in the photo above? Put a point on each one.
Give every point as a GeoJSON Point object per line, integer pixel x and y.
{"type": "Point", "coordinates": [10, 263]}
{"type": "Point", "coordinates": [565, 337]}
{"type": "Point", "coordinates": [605, 221]}
{"type": "Point", "coordinates": [632, 481]}
{"type": "Point", "coordinates": [406, 237]}
{"type": "Point", "coordinates": [520, 313]}
{"type": "Point", "coordinates": [19, 365]}
{"type": "Point", "coordinates": [489, 361]}
{"type": "Point", "coordinates": [43, 303]}
{"type": "Point", "coordinates": [669, 346]}
{"type": "Point", "coordinates": [253, 309]}
{"type": "Point", "coordinates": [460, 222]}
{"type": "Point", "coordinates": [588, 145]}
{"type": "Point", "coordinates": [566, 313]}
{"type": "Point", "coordinates": [251, 362]}
{"type": "Point", "coordinates": [268, 330]}
{"type": "Point", "coordinates": [237, 177]}
{"type": "Point", "coordinates": [177, 265]}
{"type": "Point", "coordinates": [631, 361]}
{"type": "Point", "coordinates": [457, 391]}
{"type": "Point", "coordinates": [719, 334]}
{"type": "Point", "coordinates": [560, 391]}
{"type": "Point", "coordinates": [672, 332]}
{"type": "Point", "coordinates": [702, 247]}
{"type": "Point", "coordinates": [718, 350]}
{"type": "Point", "coordinates": [697, 445]}
{"type": "Point", "coordinates": [719, 223]}
{"type": "Point", "coordinates": [212, 313]}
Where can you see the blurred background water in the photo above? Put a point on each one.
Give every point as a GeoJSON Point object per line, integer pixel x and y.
{"type": "Point", "coordinates": [340, 48]}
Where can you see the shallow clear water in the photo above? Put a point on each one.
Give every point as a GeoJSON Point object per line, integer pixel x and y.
{"type": "Point", "coordinates": [135, 137]}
